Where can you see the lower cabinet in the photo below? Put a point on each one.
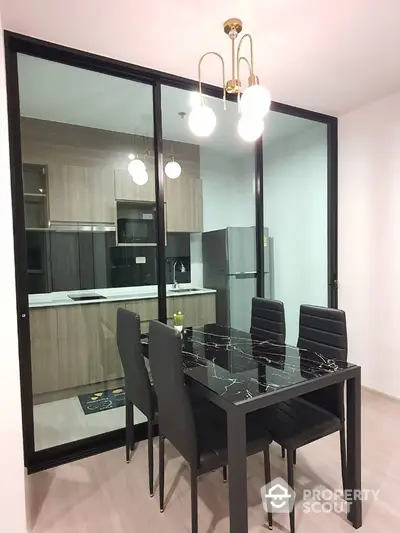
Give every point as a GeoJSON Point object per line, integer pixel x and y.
{"type": "Point", "coordinates": [197, 309]}
{"type": "Point", "coordinates": [75, 345]}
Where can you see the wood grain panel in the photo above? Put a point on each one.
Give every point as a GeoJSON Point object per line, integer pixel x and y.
{"type": "Point", "coordinates": [146, 309]}
{"type": "Point", "coordinates": [44, 350]}
{"type": "Point", "coordinates": [198, 309]}
{"type": "Point", "coordinates": [81, 194]}
{"type": "Point", "coordinates": [184, 197]}
{"type": "Point", "coordinates": [127, 189]}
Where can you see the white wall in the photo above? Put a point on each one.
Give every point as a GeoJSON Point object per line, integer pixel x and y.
{"type": "Point", "coordinates": [11, 454]}
{"type": "Point", "coordinates": [228, 189]}
{"type": "Point", "coordinates": [369, 239]}
{"type": "Point", "coordinates": [295, 211]}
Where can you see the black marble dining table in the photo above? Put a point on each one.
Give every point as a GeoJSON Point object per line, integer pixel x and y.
{"type": "Point", "coordinates": [242, 374]}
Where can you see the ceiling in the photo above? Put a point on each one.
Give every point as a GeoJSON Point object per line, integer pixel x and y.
{"type": "Point", "coordinates": [329, 56]}
{"type": "Point", "coordinates": [60, 93]}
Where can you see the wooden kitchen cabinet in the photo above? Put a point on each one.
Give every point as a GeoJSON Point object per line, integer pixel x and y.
{"type": "Point", "coordinates": [44, 350]}
{"type": "Point", "coordinates": [146, 309]}
{"type": "Point", "coordinates": [127, 189]}
{"type": "Point", "coordinates": [81, 194]}
{"type": "Point", "coordinates": [184, 197]}
{"type": "Point", "coordinates": [197, 309]}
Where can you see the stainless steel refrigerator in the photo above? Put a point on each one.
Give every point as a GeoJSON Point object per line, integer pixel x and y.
{"type": "Point", "coordinates": [229, 266]}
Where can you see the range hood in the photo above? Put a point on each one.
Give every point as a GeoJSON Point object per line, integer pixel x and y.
{"type": "Point", "coordinates": [81, 226]}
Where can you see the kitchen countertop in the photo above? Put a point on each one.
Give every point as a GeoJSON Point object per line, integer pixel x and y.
{"type": "Point", "coordinates": [120, 294]}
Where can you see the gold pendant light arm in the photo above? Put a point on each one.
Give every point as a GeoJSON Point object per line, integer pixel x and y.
{"type": "Point", "coordinates": [223, 75]}
{"type": "Point", "coordinates": [253, 79]}
{"type": "Point", "coordinates": [238, 65]}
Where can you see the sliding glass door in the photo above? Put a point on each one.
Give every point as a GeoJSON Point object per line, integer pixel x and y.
{"type": "Point", "coordinates": [210, 216]}
{"type": "Point", "coordinates": [90, 219]}
{"type": "Point", "coordinates": [295, 183]}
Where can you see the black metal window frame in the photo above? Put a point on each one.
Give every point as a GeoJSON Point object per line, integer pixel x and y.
{"type": "Point", "coordinates": [15, 44]}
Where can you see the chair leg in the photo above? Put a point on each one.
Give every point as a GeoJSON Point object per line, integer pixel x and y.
{"type": "Point", "coordinates": [128, 428]}
{"type": "Point", "coordinates": [283, 452]}
{"type": "Point", "coordinates": [267, 473]}
{"type": "Point", "coordinates": [133, 429]}
{"type": "Point", "coordinates": [294, 457]}
{"type": "Point", "coordinates": [291, 484]}
{"type": "Point", "coordinates": [225, 473]}
{"type": "Point", "coordinates": [161, 472]}
{"type": "Point", "coordinates": [150, 456]}
{"type": "Point", "coordinates": [343, 457]}
{"type": "Point", "coordinates": [193, 493]}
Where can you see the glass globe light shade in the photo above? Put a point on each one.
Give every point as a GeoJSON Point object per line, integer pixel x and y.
{"type": "Point", "coordinates": [140, 178]}
{"type": "Point", "coordinates": [202, 121]}
{"type": "Point", "coordinates": [256, 101]}
{"type": "Point", "coordinates": [173, 169]}
{"type": "Point", "coordinates": [136, 166]}
{"type": "Point", "coordinates": [250, 127]}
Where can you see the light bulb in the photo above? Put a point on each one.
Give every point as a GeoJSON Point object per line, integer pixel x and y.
{"type": "Point", "coordinates": [131, 156]}
{"type": "Point", "coordinates": [250, 128]}
{"type": "Point", "coordinates": [136, 166]}
{"type": "Point", "coordinates": [256, 101]}
{"type": "Point", "coordinates": [202, 121]}
{"type": "Point", "coordinates": [140, 178]}
{"type": "Point", "coordinates": [173, 169]}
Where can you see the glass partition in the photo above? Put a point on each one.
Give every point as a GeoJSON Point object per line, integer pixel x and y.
{"type": "Point", "coordinates": [90, 218]}
{"type": "Point", "coordinates": [210, 216]}
{"type": "Point", "coordinates": [295, 213]}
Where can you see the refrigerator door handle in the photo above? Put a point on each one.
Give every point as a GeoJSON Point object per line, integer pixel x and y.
{"type": "Point", "coordinates": [245, 275]}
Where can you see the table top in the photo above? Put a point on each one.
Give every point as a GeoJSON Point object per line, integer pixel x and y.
{"type": "Point", "coordinates": [231, 364]}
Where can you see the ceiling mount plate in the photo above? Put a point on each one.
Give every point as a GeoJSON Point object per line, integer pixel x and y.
{"type": "Point", "coordinates": [233, 23]}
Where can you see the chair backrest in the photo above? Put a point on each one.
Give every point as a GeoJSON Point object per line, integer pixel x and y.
{"type": "Point", "coordinates": [175, 413]}
{"type": "Point", "coordinates": [323, 330]}
{"type": "Point", "coordinates": [268, 320]}
{"type": "Point", "coordinates": [137, 382]}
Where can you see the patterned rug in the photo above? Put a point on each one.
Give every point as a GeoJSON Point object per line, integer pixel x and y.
{"type": "Point", "coordinates": [102, 400]}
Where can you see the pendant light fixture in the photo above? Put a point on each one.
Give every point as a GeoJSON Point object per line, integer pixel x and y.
{"type": "Point", "coordinates": [137, 169]}
{"type": "Point", "coordinates": [254, 103]}
{"type": "Point", "coordinates": [173, 169]}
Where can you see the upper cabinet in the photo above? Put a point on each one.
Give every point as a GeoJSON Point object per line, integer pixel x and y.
{"type": "Point", "coordinates": [127, 189]}
{"type": "Point", "coordinates": [81, 194]}
{"type": "Point", "coordinates": [184, 197]}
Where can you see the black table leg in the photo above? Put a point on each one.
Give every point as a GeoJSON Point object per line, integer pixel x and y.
{"type": "Point", "coordinates": [237, 469]}
{"type": "Point", "coordinates": [354, 448]}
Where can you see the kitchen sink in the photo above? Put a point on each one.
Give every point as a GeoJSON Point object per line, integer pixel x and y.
{"type": "Point", "coordinates": [183, 290]}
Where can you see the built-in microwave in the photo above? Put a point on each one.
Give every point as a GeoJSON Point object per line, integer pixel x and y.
{"type": "Point", "coordinates": [136, 224]}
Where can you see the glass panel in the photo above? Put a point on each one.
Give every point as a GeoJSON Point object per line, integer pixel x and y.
{"type": "Point", "coordinates": [295, 213]}
{"type": "Point", "coordinates": [210, 217]}
{"type": "Point", "coordinates": [90, 233]}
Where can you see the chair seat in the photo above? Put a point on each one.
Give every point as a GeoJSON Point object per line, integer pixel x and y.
{"type": "Point", "coordinates": [212, 439]}
{"type": "Point", "coordinates": [295, 423]}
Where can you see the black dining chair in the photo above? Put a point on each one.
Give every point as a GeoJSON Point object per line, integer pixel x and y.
{"type": "Point", "coordinates": [139, 391]}
{"type": "Point", "coordinates": [200, 439]}
{"type": "Point", "coordinates": [295, 423]}
{"type": "Point", "coordinates": [268, 324]}
{"type": "Point", "coordinates": [268, 320]}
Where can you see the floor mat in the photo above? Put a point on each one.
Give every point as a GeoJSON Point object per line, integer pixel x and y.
{"type": "Point", "coordinates": [102, 400]}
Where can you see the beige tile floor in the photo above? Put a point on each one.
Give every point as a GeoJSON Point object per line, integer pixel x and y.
{"type": "Point", "coordinates": [64, 421]}
{"type": "Point", "coordinates": [102, 494]}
